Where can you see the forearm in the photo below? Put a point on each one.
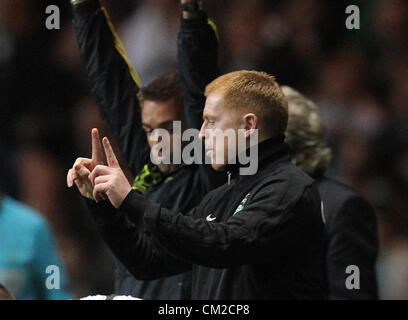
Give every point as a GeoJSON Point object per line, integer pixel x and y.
{"type": "Point", "coordinates": [198, 65]}
{"type": "Point", "coordinates": [197, 241]}
{"type": "Point", "coordinates": [113, 81]}
{"type": "Point", "coordinates": [223, 244]}
{"type": "Point", "coordinates": [132, 245]}
{"type": "Point", "coordinates": [198, 62]}
{"type": "Point", "coordinates": [187, 237]}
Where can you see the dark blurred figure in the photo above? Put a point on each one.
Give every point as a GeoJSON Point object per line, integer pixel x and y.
{"type": "Point", "coordinates": [350, 220]}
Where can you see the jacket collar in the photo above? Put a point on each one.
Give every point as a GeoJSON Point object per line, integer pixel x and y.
{"type": "Point", "coordinates": [269, 151]}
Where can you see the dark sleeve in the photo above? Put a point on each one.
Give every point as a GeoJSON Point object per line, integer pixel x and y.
{"type": "Point", "coordinates": [198, 66]}
{"type": "Point", "coordinates": [353, 240]}
{"type": "Point", "coordinates": [132, 244]}
{"type": "Point", "coordinates": [260, 227]}
{"type": "Point", "coordinates": [112, 79]}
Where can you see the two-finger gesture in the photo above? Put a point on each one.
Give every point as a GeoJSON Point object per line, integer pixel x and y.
{"type": "Point", "coordinates": [109, 180]}
{"type": "Point", "coordinates": [80, 171]}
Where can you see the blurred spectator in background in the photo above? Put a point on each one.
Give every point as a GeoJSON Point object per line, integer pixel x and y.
{"type": "Point", "coordinates": [42, 88]}
{"type": "Point", "coordinates": [27, 248]}
{"type": "Point", "coordinates": [150, 35]}
{"type": "Point", "coordinates": [351, 224]}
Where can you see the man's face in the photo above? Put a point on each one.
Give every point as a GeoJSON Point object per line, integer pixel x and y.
{"type": "Point", "coordinates": [160, 115]}
{"type": "Point", "coordinates": [217, 116]}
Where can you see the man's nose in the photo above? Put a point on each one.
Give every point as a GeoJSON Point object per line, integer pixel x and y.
{"type": "Point", "coordinates": [201, 135]}
{"type": "Point", "coordinates": [155, 137]}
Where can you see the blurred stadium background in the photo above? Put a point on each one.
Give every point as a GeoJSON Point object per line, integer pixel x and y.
{"type": "Point", "coordinates": [358, 77]}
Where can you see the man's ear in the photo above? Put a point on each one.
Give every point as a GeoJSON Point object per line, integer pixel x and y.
{"type": "Point", "coordinates": [250, 123]}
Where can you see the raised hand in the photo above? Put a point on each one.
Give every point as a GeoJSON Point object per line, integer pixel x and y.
{"type": "Point", "coordinates": [110, 180]}
{"type": "Point", "coordinates": [82, 167]}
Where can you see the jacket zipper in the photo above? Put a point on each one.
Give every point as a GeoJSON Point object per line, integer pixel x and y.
{"type": "Point", "coordinates": [229, 177]}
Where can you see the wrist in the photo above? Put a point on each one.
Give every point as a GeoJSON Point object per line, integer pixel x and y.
{"type": "Point", "coordinates": [102, 212]}
{"type": "Point", "coordinates": [124, 195]}
{"type": "Point", "coordinates": [134, 206]}
{"type": "Point", "coordinates": [190, 8]}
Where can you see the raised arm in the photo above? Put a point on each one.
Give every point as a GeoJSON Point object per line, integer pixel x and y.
{"type": "Point", "coordinates": [198, 66]}
{"type": "Point", "coordinates": [113, 81]}
{"type": "Point", "coordinates": [198, 61]}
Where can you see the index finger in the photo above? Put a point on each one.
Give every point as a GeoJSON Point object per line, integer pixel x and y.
{"type": "Point", "coordinates": [110, 154]}
{"type": "Point", "coordinates": [97, 155]}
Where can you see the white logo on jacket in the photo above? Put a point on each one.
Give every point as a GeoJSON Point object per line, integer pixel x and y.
{"type": "Point", "coordinates": [209, 218]}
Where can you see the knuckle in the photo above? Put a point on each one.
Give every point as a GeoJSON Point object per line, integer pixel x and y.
{"type": "Point", "coordinates": [78, 160]}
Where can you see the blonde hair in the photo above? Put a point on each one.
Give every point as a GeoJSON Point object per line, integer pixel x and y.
{"type": "Point", "coordinates": [305, 134]}
{"type": "Point", "coordinates": [256, 92]}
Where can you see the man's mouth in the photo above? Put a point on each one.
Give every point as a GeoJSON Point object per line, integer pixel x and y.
{"type": "Point", "coordinates": [159, 156]}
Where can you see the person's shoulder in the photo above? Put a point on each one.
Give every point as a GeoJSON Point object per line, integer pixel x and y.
{"type": "Point", "coordinates": [337, 194]}
{"type": "Point", "coordinates": [285, 180]}
{"type": "Point", "coordinates": [336, 187]}
{"type": "Point", "coordinates": [342, 200]}
{"type": "Point", "coordinates": [289, 174]}
{"type": "Point", "coordinates": [22, 214]}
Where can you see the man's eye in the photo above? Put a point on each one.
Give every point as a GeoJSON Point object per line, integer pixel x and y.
{"type": "Point", "coordinates": [211, 121]}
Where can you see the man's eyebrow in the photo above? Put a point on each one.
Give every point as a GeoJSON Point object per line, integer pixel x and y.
{"type": "Point", "coordinates": [207, 115]}
{"type": "Point", "coordinates": [165, 123]}
{"type": "Point", "coordinates": [146, 125]}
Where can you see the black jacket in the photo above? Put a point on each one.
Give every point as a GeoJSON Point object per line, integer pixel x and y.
{"type": "Point", "coordinates": [352, 239]}
{"type": "Point", "coordinates": [267, 240]}
{"type": "Point", "coordinates": [115, 85]}
{"type": "Point", "coordinates": [351, 221]}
